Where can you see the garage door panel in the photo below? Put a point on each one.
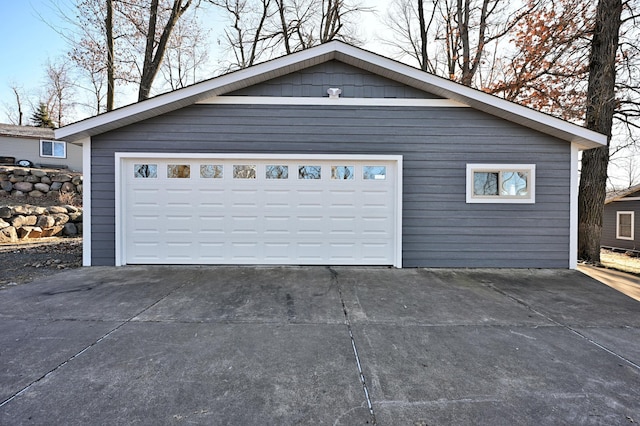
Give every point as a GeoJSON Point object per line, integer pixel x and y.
{"type": "Point", "coordinates": [271, 217]}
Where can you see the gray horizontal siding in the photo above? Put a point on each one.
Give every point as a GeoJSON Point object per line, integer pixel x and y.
{"type": "Point", "coordinates": [439, 228]}
{"type": "Point", "coordinates": [609, 225]}
{"type": "Point", "coordinates": [314, 82]}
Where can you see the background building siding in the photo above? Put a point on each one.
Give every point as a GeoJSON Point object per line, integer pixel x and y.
{"type": "Point", "coordinates": [609, 224]}
{"type": "Point", "coordinates": [439, 228]}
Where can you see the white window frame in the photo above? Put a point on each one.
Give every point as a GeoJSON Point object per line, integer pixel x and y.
{"type": "Point", "coordinates": [501, 199]}
{"type": "Point", "coordinates": [53, 149]}
{"type": "Point", "coordinates": [633, 224]}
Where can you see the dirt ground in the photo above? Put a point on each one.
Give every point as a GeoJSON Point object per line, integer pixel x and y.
{"type": "Point", "coordinates": [24, 262]}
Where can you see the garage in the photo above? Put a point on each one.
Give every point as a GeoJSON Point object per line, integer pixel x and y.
{"type": "Point", "coordinates": [258, 209]}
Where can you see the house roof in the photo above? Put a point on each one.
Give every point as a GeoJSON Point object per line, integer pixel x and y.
{"type": "Point", "coordinates": [617, 195]}
{"type": "Point", "coordinates": [348, 54]}
{"type": "Point", "coordinates": [31, 132]}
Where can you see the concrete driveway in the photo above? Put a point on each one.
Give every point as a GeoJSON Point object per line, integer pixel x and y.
{"type": "Point", "coordinates": [343, 346]}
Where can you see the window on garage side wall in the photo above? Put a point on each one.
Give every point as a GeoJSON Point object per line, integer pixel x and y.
{"type": "Point", "coordinates": [501, 183]}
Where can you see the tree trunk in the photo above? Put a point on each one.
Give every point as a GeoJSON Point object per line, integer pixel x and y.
{"type": "Point", "coordinates": [599, 117]}
{"type": "Point", "coordinates": [110, 57]}
{"type": "Point", "coordinates": [423, 36]}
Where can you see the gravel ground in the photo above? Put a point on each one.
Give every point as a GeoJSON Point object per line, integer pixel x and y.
{"type": "Point", "coordinates": [24, 262]}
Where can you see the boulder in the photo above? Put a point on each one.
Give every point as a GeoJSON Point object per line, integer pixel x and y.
{"type": "Point", "coordinates": [6, 212]}
{"type": "Point", "coordinates": [38, 211]}
{"type": "Point", "coordinates": [30, 220]}
{"type": "Point", "coordinates": [6, 185]}
{"type": "Point", "coordinates": [75, 217]}
{"type": "Point", "coordinates": [36, 194]}
{"type": "Point", "coordinates": [70, 208]}
{"type": "Point", "coordinates": [79, 189]}
{"type": "Point", "coordinates": [29, 232]}
{"type": "Point", "coordinates": [45, 179]}
{"type": "Point", "coordinates": [3, 224]}
{"type": "Point", "coordinates": [45, 222]}
{"type": "Point", "coordinates": [17, 193]}
{"type": "Point", "coordinates": [38, 173]}
{"type": "Point", "coordinates": [18, 221]}
{"type": "Point", "coordinates": [14, 179]}
{"type": "Point", "coordinates": [70, 229]}
{"type": "Point", "coordinates": [76, 180]}
{"type": "Point", "coordinates": [20, 172]}
{"type": "Point", "coordinates": [8, 235]}
{"type": "Point", "coordinates": [55, 186]}
{"type": "Point", "coordinates": [60, 219]}
{"type": "Point", "coordinates": [32, 179]}
{"type": "Point", "coordinates": [42, 187]}
{"type": "Point", "coordinates": [61, 177]}
{"type": "Point", "coordinates": [57, 209]}
{"type": "Point", "coordinates": [68, 187]}
{"type": "Point", "coordinates": [23, 186]}
{"type": "Point", "coordinates": [21, 210]}
{"type": "Point", "coordinates": [50, 232]}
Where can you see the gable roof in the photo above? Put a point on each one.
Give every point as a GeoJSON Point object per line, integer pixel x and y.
{"type": "Point", "coordinates": [30, 132]}
{"type": "Point", "coordinates": [348, 54]}
{"type": "Point", "coordinates": [618, 195]}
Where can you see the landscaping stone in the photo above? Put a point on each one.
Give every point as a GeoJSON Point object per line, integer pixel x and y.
{"type": "Point", "coordinates": [20, 172]}
{"type": "Point", "coordinates": [60, 219]}
{"type": "Point", "coordinates": [23, 186]}
{"type": "Point", "coordinates": [70, 229]}
{"type": "Point", "coordinates": [6, 212]}
{"type": "Point", "coordinates": [67, 187]}
{"type": "Point", "coordinates": [38, 173]}
{"type": "Point", "coordinates": [57, 209]}
{"type": "Point", "coordinates": [43, 187]}
{"type": "Point", "coordinates": [6, 185]}
{"type": "Point", "coordinates": [36, 194]}
{"type": "Point", "coordinates": [8, 235]}
{"type": "Point", "coordinates": [3, 224]}
{"type": "Point", "coordinates": [55, 186]}
{"type": "Point", "coordinates": [45, 222]}
{"type": "Point", "coordinates": [61, 177]}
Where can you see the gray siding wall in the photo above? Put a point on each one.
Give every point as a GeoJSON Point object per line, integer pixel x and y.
{"type": "Point", "coordinates": [439, 228]}
{"type": "Point", "coordinates": [314, 82]}
{"type": "Point", "coordinates": [609, 224]}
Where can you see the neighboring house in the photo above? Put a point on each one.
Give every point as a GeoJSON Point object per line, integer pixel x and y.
{"type": "Point", "coordinates": [38, 146]}
{"type": "Point", "coordinates": [619, 224]}
{"type": "Point", "coordinates": [330, 156]}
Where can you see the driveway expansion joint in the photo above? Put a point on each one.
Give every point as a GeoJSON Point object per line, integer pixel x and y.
{"type": "Point", "coordinates": [565, 326]}
{"type": "Point", "coordinates": [86, 348]}
{"type": "Point", "coordinates": [336, 281]}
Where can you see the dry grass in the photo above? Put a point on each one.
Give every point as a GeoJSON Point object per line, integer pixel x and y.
{"type": "Point", "coordinates": [620, 261]}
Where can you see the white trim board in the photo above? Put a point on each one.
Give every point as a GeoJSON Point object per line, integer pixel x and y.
{"type": "Point", "coordinates": [86, 202]}
{"type": "Point", "coordinates": [120, 157]}
{"type": "Point", "coordinates": [277, 100]}
{"type": "Point", "coordinates": [574, 183]}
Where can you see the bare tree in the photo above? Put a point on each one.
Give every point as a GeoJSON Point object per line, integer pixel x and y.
{"type": "Point", "coordinates": [59, 88]}
{"type": "Point", "coordinates": [186, 53]}
{"type": "Point", "coordinates": [157, 37]}
{"type": "Point", "coordinates": [15, 113]}
{"type": "Point", "coordinates": [261, 29]}
{"type": "Point", "coordinates": [452, 38]}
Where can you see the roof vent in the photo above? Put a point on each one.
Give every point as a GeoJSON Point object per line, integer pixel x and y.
{"type": "Point", "coordinates": [334, 92]}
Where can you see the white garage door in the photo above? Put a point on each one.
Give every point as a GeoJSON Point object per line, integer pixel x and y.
{"type": "Point", "coordinates": [259, 210]}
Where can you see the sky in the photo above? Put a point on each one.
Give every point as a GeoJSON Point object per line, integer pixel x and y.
{"type": "Point", "coordinates": [27, 42]}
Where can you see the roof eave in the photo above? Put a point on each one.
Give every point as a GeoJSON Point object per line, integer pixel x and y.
{"type": "Point", "coordinates": [582, 137]}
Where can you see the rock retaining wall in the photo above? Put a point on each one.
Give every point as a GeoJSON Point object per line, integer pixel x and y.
{"type": "Point", "coordinates": [19, 181]}
{"type": "Point", "coordinates": [25, 222]}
